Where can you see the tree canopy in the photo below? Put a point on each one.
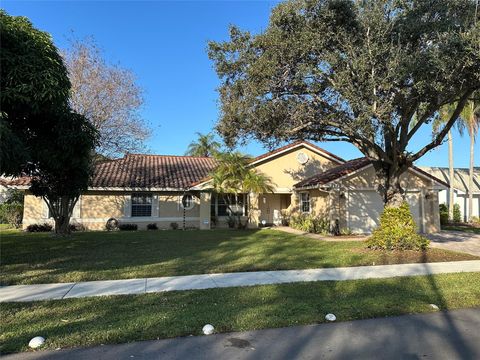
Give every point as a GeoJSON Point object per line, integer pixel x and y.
{"type": "Point", "coordinates": [371, 73]}
{"type": "Point", "coordinates": [34, 83]}
{"type": "Point", "coordinates": [205, 145]}
{"type": "Point", "coordinates": [41, 136]}
{"type": "Point", "coordinates": [108, 96]}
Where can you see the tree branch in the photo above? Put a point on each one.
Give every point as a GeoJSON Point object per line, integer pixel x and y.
{"type": "Point", "coordinates": [438, 139]}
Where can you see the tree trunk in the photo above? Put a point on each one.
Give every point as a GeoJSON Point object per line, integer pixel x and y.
{"type": "Point", "coordinates": [451, 176]}
{"type": "Point", "coordinates": [470, 180]}
{"type": "Point", "coordinates": [62, 225]}
{"type": "Point", "coordinates": [389, 187]}
{"type": "Point", "coordinates": [61, 211]}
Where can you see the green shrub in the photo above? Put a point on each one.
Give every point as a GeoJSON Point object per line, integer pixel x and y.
{"type": "Point", "coordinates": [39, 228]}
{"type": "Point", "coordinates": [128, 227]}
{"type": "Point", "coordinates": [443, 214]}
{"type": "Point", "coordinates": [152, 226]}
{"type": "Point", "coordinates": [173, 226]}
{"type": "Point", "coordinates": [397, 231]}
{"type": "Point", "coordinates": [11, 213]}
{"type": "Point", "coordinates": [310, 223]}
{"type": "Point", "coordinates": [457, 215]}
{"type": "Point", "coordinates": [475, 220]}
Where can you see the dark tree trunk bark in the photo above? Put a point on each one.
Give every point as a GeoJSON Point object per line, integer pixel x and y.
{"type": "Point", "coordinates": [61, 211]}
{"type": "Point", "coordinates": [389, 186]}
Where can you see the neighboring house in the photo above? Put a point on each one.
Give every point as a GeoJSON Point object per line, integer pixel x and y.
{"type": "Point", "coordinates": [144, 189]}
{"type": "Point", "coordinates": [460, 186]}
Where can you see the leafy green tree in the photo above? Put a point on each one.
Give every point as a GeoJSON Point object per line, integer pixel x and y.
{"type": "Point", "coordinates": [55, 145]}
{"type": "Point", "coordinates": [371, 73]}
{"type": "Point", "coordinates": [234, 177]}
{"type": "Point", "coordinates": [34, 84]}
{"type": "Point", "coordinates": [64, 166]}
{"type": "Point", "coordinates": [205, 145]}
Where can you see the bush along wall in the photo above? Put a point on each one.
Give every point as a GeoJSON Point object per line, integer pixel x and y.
{"type": "Point", "coordinates": [397, 231]}
{"type": "Point", "coordinates": [310, 223]}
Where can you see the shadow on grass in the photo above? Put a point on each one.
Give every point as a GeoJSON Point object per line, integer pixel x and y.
{"type": "Point", "coordinates": [90, 321]}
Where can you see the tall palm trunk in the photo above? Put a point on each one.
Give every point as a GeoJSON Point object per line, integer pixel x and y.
{"type": "Point", "coordinates": [451, 175]}
{"type": "Point", "coordinates": [470, 180]}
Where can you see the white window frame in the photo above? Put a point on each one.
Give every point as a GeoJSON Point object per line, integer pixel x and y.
{"type": "Point", "coordinates": [302, 202]}
{"type": "Point", "coordinates": [132, 204]}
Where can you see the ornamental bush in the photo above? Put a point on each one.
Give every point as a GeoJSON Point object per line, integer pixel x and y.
{"type": "Point", "coordinates": [310, 223]}
{"type": "Point", "coordinates": [11, 213]}
{"type": "Point", "coordinates": [397, 231]}
{"type": "Point", "coordinates": [128, 227]}
{"type": "Point", "coordinates": [443, 214]}
{"type": "Point", "coordinates": [457, 215]}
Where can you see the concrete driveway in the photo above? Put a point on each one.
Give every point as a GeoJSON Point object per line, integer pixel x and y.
{"type": "Point", "coordinates": [456, 241]}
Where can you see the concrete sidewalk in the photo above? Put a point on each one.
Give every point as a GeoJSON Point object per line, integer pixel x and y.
{"type": "Point", "coordinates": [206, 281]}
{"type": "Point", "coordinates": [442, 335]}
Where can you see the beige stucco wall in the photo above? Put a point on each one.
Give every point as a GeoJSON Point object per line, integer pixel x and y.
{"type": "Point", "coordinates": [336, 204]}
{"type": "Point", "coordinates": [96, 207]}
{"type": "Point", "coordinates": [285, 170]}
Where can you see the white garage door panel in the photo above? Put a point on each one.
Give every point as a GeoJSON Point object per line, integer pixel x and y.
{"type": "Point", "coordinates": [365, 208]}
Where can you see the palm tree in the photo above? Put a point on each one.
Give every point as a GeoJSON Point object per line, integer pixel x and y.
{"type": "Point", "coordinates": [205, 145]}
{"type": "Point", "coordinates": [445, 115]}
{"type": "Point", "coordinates": [234, 177]}
{"type": "Point", "coordinates": [471, 120]}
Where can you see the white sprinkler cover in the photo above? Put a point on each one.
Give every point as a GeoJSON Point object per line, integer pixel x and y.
{"type": "Point", "coordinates": [330, 317]}
{"type": "Point", "coordinates": [208, 329]}
{"type": "Point", "coordinates": [36, 342]}
{"type": "Point", "coordinates": [433, 306]}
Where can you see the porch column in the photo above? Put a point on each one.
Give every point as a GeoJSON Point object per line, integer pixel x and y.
{"type": "Point", "coordinates": [205, 199]}
{"type": "Point", "coordinates": [254, 211]}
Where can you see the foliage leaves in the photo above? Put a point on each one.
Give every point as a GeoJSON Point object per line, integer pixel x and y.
{"type": "Point", "coordinates": [371, 73]}
{"type": "Point", "coordinates": [397, 231]}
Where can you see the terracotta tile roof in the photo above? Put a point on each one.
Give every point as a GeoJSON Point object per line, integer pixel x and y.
{"type": "Point", "coordinates": [143, 171]}
{"type": "Point", "coordinates": [347, 168]}
{"type": "Point", "coordinates": [294, 144]}
{"type": "Point", "coordinates": [333, 173]}
{"type": "Point", "coordinates": [20, 181]}
{"type": "Point", "coordinates": [152, 171]}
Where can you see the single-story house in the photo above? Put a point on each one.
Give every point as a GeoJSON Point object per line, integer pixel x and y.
{"type": "Point", "coordinates": [164, 189]}
{"type": "Point", "coordinates": [461, 180]}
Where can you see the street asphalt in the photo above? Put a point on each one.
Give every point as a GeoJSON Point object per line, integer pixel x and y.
{"type": "Point", "coordinates": [441, 335]}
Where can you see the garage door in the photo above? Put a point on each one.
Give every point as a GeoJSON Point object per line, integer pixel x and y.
{"type": "Point", "coordinates": [366, 206]}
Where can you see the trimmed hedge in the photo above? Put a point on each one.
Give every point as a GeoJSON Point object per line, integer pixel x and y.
{"type": "Point", "coordinates": [397, 231]}
{"type": "Point", "coordinates": [128, 227]}
{"type": "Point", "coordinates": [39, 228]}
{"type": "Point", "coordinates": [443, 208]}
{"type": "Point", "coordinates": [152, 226]}
{"type": "Point", "coordinates": [310, 223]}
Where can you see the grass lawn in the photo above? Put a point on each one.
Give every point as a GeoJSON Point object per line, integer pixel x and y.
{"type": "Point", "coordinates": [465, 228]}
{"type": "Point", "coordinates": [92, 321]}
{"type": "Point", "coordinates": [29, 258]}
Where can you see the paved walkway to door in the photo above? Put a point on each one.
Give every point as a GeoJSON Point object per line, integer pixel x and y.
{"type": "Point", "coordinates": [60, 291]}
{"type": "Point", "coordinates": [456, 241]}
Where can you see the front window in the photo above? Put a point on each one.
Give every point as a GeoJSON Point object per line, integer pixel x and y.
{"type": "Point", "coordinates": [305, 202]}
{"type": "Point", "coordinates": [141, 205]}
{"type": "Point", "coordinates": [237, 204]}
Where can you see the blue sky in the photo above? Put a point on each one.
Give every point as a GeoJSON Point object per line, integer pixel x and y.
{"type": "Point", "coordinates": [164, 44]}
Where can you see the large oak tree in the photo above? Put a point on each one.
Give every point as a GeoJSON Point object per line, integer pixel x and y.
{"type": "Point", "coordinates": [371, 73]}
